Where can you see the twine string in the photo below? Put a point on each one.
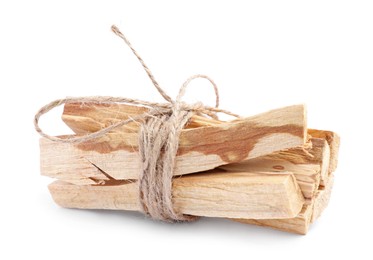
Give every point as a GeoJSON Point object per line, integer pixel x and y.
{"type": "Point", "coordinates": [158, 138]}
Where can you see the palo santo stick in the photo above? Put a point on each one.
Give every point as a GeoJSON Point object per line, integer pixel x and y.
{"type": "Point", "coordinates": [214, 194]}
{"type": "Point", "coordinates": [85, 118]}
{"type": "Point", "coordinates": [301, 223]}
{"type": "Point", "coordinates": [318, 154]}
{"type": "Point", "coordinates": [308, 166]}
{"type": "Point", "coordinates": [322, 199]}
{"type": "Point", "coordinates": [200, 148]}
{"type": "Point", "coordinates": [333, 140]}
{"type": "Point", "coordinates": [314, 207]}
{"type": "Point", "coordinates": [307, 175]}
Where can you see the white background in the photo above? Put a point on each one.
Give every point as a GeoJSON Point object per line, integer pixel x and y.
{"type": "Point", "coordinates": [262, 54]}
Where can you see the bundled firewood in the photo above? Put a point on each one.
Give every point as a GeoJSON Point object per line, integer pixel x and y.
{"type": "Point", "coordinates": [268, 170]}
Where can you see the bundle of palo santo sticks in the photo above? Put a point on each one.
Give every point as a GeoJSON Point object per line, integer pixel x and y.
{"type": "Point", "coordinates": [267, 170]}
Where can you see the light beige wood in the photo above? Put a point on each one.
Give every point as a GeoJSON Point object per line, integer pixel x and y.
{"type": "Point", "coordinates": [307, 175]}
{"type": "Point", "coordinates": [85, 118]}
{"type": "Point", "coordinates": [322, 198]}
{"type": "Point", "coordinates": [200, 148]}
{"type": "Point", "coordinates": [312, 209]}
{"type": "Point", "coordinates": [299, 225]}
{"type": "Point", "coordinates": [317, 154]}
{"type": "Point", "coordinates": [309, 166]}
{"type": "Point", "coordinates": [90, 117]}
{"type": "Point", "coordinates": [333, 140]}
{"type": "Point", "coordinates": [213, 194]}
{"type": "Point", "coordinates": [268, 179]}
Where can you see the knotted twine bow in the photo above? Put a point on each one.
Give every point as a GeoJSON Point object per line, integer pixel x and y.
{"type": "Point", "coordinates": [158, 139]}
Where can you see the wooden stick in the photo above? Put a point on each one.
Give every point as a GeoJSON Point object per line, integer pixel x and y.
{"type": "Point", "coordinates": [214, 194]}
{"type": "Point", "coordinates": [322, 199]}
{"type": "Point", "coordinates": [91, 117]}
{"type": "Point", "coordinates": [333, 140]}
{"type": "Point", "coordinates": [200, 148]}
{"type": "Point", "coordinates": [313, 208]}
{"type": "Point", "coordinates": [309, 166]}
{"type": "Point", "coordinates": [301, 223]}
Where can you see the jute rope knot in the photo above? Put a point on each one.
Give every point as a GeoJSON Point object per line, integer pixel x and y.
{"type": "Point", "coordinates": [158, 139]}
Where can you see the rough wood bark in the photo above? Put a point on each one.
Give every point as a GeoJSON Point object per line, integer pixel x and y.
{"type": "Point", "coordinates": [214, 194]}
{"type": "Point", "coordinates": [201, 148]}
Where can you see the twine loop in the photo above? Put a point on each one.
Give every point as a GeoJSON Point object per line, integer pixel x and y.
{"type": "Point", "coordinates": [158, 138]}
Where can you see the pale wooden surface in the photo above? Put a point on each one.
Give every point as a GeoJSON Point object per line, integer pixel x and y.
{"type": "Point", "coordinates": [309, 166]}
{"type": "Point", "coordinates": [215, 194]}
{"type": "Point", "coordinates": [201, 148]}
{"type": "Point", "coordinates": [315, 206]}
{"type": "Point", "coordinates": [333, 140]}
{"type": "Point", "coordinates": [301, 223]}
{"type": "Point", "coordinates": [311, 163]}
{"type": "Point", "coordinates": [91, 117]}
{"type": "Point", "coordinates": [322, 198]}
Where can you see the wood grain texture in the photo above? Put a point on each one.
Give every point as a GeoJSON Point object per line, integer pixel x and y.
{"type": "Point", "coordinates": [322, 199]}
{"type": "Point", "coordinates": [314, 207]}
{"type": "Point", "coordinates": [299, 225]}
{"type": "Point", "coordinates": [269, 174]}
{"type": "Point", "coordinates": [333, 140]}
{"type": "Point", "coordinates": [200, 148]}
{"type": "Point", "coordinates": [309, 166]}
{"type": "Point", "coordinates": [85, 118]}
{"type": "Point", "coordinates": [311, 210]}
{"type": "Point", "coordinates": [213, 194]}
